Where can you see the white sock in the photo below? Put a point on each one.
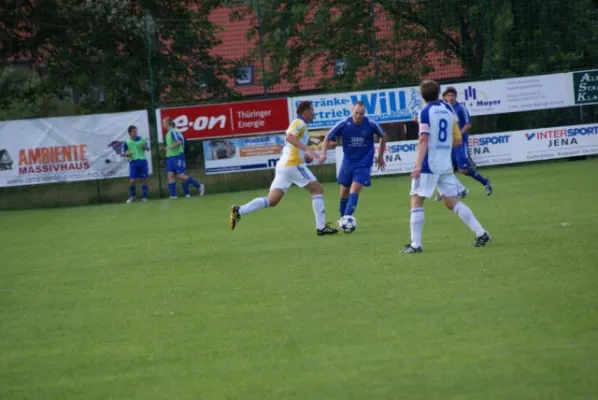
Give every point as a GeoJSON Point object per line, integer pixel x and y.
{"type": "Point", "coordinates": [317, 203]}
{"type": "Point", "coordinates": [417, 226]}
{"type": "Point", "coordinates": [469, 219]}
{"type": "Point", "coordinates": [254, 205]}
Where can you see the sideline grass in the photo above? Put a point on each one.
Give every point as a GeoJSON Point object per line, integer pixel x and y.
{"type": "Point", "coordinates": [161, 301]}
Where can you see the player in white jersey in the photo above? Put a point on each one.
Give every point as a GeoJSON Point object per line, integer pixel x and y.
{"type": "Point", "coordinates": [438, 134]}
{"type": "Point", "coordinates": [291, 170]}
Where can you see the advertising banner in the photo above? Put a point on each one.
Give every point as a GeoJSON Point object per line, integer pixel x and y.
{"type": "Point", "coordinates": [481, 98]}
{"type": "Point", "coordinates": [516, 94]}
{"type": "Point", "coordinates": [585, 87]}
{"type": "Point", "coordinates": [229, 119]}
{"type": "Point", "coordinates": [561, 142]}
{"type": "Point", "coordinates": [389, 105]}
{"type": "Point", "coordinates": [67, 149]}
{"type": "Point", "coordinates": [240, 155]}
{"type": "Point", "coordinates": [501, 148]}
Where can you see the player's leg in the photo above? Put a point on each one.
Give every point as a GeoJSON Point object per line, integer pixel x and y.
{"type": "Point", "coordinates": [344, 199]}
{"type": "Point", "coordinates": [303, 177]}
{"type": "Point", "coordinates": [171, 168]}
{"type": "Point", "coordinates": [144, 172]}
{"type": "Point", "coordinates": [279, 186]}
{"type": "Point", "coordinates": [421, 188]}
{"type": "Point", "coordinates": [132, 190]}
{"type": "Point", "coordinates": [132, 182]}
{"type": "Point", "coordinates": [344, 180]}
{"type": "Point", "coordinates": [466, 168]}
{"type": "Point", "coordinates": [187, 180]}
{"type": "Point", "coordinates": [361, 178]}
{"type": "Point", "coordinates": [447, 184]}
{"type": "Point", "coordinates": [456, 161]}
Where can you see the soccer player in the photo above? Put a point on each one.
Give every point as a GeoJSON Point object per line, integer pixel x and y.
{"type": "Point", "coordinates": [291, 169]}
{"type": "Point", "coordinates": [433, 167]}
{"type": "Point", "coordinates": [134, 149]}
{"type": "Point", "coordinates": [460, 156]}
{"type": "Point", "coordinates": [357, 133]}
{"type": "Point", "coordinates": [175, 161]}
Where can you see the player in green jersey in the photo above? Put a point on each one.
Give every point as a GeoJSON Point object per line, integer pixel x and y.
{"type": "Point", "coordinates": [134, 149]}
{"type": "Point", "coordinates": [175, 161]}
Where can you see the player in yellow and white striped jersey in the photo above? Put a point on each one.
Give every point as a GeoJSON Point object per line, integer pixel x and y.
{"type": "Point", "coordinates": [291, 169]}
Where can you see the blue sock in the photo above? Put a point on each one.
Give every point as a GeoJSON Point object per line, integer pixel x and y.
{"type": "Point", "coordinates": [343, 206]}
{"type": "Point", "coordinates": [192, 181]}
{"type": "Point", "coordinates": [172, 189]}
{"type": "Point", "coordinates": [133, 190]}
{"type": "Point", "coordinates": [144, 191]}
{"type": "Point", "coordinates": [352, 204]}
{"type": "Point", "coordinates": [185, 188]}
{"type": "Point", "coordinates": [475, 175]}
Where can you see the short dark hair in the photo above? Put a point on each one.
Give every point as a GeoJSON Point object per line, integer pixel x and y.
{"type": "Point", "coordinates": [430, 90]}
{"type": "Point", "coordinates": [304, 106]}
{"type": "Point", "coordinates": [448, 90]}
{"type": "Point", "coordinates": [131, 127]}
{"type": "Point", "coordinates": [169, 121]}
{"type": "Point", "coordinates": [359, 103]}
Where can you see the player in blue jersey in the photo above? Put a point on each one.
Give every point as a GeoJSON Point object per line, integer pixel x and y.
{"type": "Point", "coordinates": [134, 149]}
{"type": "Point", "coordinates": [175, 161]}
{"type": "Point", "coordinates": [462, 162]}
{"type": "Point", "coordinates": [438, 135]}
{"type": "Point", "coordinates": [357, 133]}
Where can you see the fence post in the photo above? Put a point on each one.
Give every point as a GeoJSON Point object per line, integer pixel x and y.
{"type": "Point", "coordinates": [261, 44]}
{"type": "Point", "coordinates": [152, 114]}
{"type": "Point", "coordinates": [375, 44]}
{"type": "Point", "coordinates": [489, 30]}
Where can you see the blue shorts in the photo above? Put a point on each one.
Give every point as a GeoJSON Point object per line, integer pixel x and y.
{"type": "Point", "coordinates": [349, 174]}
{"type": "Point", "coordinates": [138, 169]}
{"type": "Point", "coordinates": [176, 164]}
{"type": "Point", "coordinates": [460, 158]}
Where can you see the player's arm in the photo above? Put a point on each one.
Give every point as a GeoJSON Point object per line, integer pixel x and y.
{"type": "Point", "coordinates": [125, 150]}
{"type": "Point", "coordinates": [176, 139]}
{"type": "Point", "coordinates": [457, 138]}
{"type": "Point", "coordinates": [146, 146]}
{"type": "Point", "coordinates": [422, 142]}
{"type": "Point", "coordinates": [378, 131]}
{"type": "Point", "coordinates": [294, 132]}
{"type": "Point", "coordinates": [330, 139]}
{"type": "Point", "coordinates": [467, 119]}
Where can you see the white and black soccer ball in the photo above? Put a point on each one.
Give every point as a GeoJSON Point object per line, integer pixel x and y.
{"type": "Point", "coordinates": [347, 224]}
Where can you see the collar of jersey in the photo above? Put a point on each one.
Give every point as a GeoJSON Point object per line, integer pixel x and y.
{"type": "Point", "coordinates": [302, 119]}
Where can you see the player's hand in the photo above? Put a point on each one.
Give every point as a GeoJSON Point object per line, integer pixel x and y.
{"type": "Point", "coordinates": [381, 163]}
{"type": "Point", "coordinates": [417, 171]}
{"type": "Point", "coordinates": [310, 155]}
{"type": "Point", "coordinates": [322, 159]}
{"type": "Point", "coordinates": [415, 118]}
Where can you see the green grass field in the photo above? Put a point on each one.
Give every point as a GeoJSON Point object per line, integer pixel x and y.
{"type": "Point", "coordinates": [162, 301]}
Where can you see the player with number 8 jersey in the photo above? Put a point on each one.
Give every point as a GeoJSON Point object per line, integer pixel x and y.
{"type": "Point", "coordinates": [438, 134]}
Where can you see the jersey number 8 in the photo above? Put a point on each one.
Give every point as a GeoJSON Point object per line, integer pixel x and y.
{"type": "Point", "coordinates": [442, 130]}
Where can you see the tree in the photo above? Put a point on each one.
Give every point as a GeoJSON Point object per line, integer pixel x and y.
{"type": "Point", "coordinates": [96, 52]}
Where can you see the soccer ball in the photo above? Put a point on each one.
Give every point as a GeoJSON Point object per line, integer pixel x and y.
{"type": "Point", "coordinates": [347, 224]}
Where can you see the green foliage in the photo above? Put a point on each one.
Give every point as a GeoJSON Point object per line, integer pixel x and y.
{"type": "Point", "coordinates": [97, 52]}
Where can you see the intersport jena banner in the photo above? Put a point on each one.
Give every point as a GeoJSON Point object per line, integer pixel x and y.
{"type": "Point", "coordinates": [67, 149]}
{"type": "Point", "coordinates": [501, 148]}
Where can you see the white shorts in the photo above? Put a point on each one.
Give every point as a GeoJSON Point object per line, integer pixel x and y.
{"type": "Point", "coordinates": [447, 185]}
{"type": "Point", "coordinates": [299, 175]}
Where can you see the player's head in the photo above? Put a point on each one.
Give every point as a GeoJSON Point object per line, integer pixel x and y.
{"type": "Point", "coordinates": [450, 95]}
{"type": "Point", "coordinates": [430, 90]}
{"type": "Point", "coordinates": [305, 110]}
{"type": "Point", "coordinates": [167, 123]}
{"type": "Point", "coordinates": [132, 131]}
{"type": "Point", "coordinates": [358, 112]}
